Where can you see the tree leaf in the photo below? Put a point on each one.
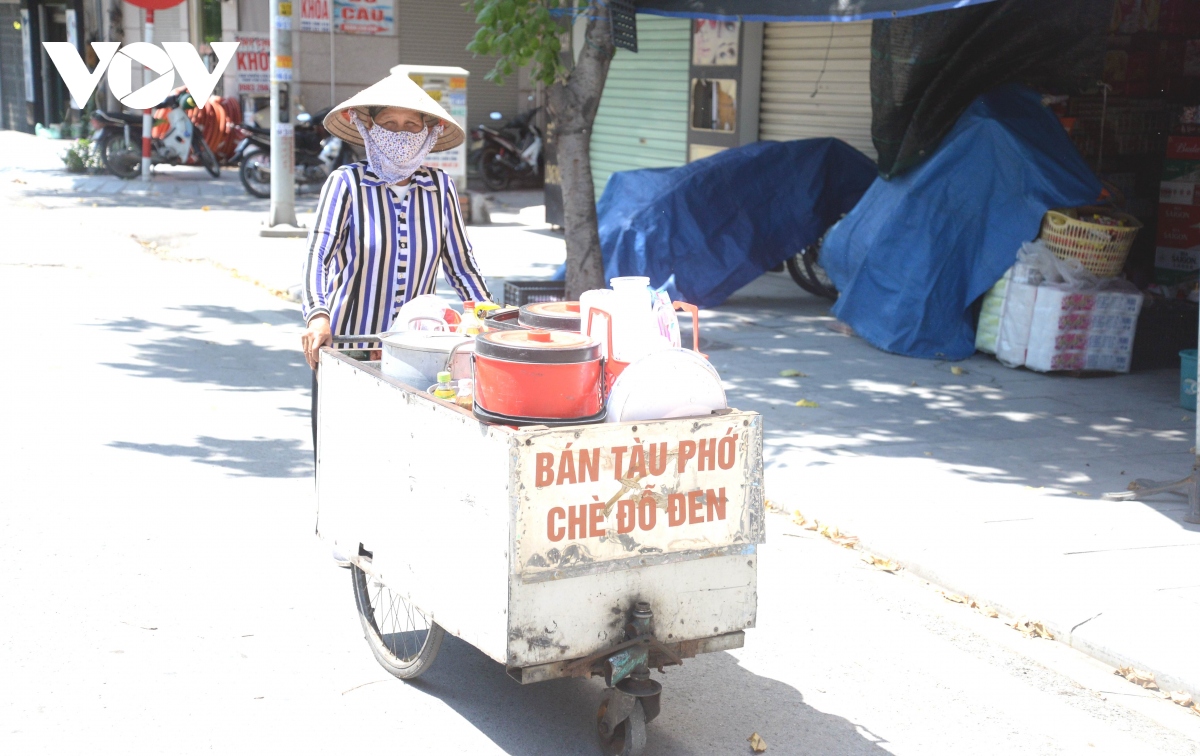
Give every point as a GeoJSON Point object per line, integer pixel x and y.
{"type": "Point", "coordinates": [757, 744]}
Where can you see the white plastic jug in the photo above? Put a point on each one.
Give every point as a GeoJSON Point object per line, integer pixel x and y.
{"type": "Point", "coordinates": [635, 327]}
{"type": "Point", "coordinates": [597, 299]}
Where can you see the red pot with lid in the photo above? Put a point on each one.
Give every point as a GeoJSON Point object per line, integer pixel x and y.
{"type": "Point", "coordinates": [558, 316]}
{"type": "Point", "coordinates": [538, 376]}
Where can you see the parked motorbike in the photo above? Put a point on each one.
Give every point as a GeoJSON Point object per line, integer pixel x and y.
{"type": "Point", "coordinates": [805, 269]}
{"type": "Point", "coordinates": [317, 154]}
{"type": "Point", "coordinates": [118, 138]}
{"type": "Point", "coordinates": [512, 151]}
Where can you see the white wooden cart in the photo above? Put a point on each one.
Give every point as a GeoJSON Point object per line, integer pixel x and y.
{"type": "Point", "coordinates": [603, 550]}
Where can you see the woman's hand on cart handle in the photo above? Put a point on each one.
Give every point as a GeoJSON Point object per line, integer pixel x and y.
{"type": "Point", "coordinates": [317, 336]}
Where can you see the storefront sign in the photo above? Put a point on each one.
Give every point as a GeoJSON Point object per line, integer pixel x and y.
{"type": "Point", "coordinates": [253, 63]}
{"type": "Point", "coordinates": [314, 16]}
{"type": "Point", "coordinates": [376, 17]}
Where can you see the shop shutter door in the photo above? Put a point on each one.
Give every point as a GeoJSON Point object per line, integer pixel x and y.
{"type": "Point", "coordinates": [642, 119]}
{"type": "Point", "coordinates": [437, 34]}
{"type": "Point", "coordinates": [834, 61]}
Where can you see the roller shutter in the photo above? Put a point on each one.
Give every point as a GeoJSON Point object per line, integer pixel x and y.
{"type": "Point", "coordinates": [437, 34]}
{"type": "Point", "coordinates": [642, 119]}
{"type": "Point", "coordinates": [817, 82]}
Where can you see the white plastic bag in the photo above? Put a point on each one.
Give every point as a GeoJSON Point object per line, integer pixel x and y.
{"type": "Point", "coordinates": [426, 312]}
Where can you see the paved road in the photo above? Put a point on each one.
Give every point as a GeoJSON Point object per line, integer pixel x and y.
{"type": "Point", "coordinates": [163, 592]}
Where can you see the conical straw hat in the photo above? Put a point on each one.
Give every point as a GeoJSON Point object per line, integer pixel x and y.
{"type": "Point", "coordinates": [396, 91]}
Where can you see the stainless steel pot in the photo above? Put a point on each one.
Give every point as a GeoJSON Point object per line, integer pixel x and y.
{"type": "Point", "coordinates": [416, 357]}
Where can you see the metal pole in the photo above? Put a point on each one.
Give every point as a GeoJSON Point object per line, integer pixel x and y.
{"type": "Point", "coordinates": [283, 195]}
{"type": "Point", "coordinates": [196, 23]}
{"type": "Point", "coordinates": [332, 70]}
{"type": "Point", "coordinates": [147, 121]}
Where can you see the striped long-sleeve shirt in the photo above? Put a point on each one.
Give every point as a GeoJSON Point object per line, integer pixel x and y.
{"type": "Point", "coordinates": [370, 252]}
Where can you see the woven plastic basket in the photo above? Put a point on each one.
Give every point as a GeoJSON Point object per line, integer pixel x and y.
{"type": "Point", "coordinates": [1102, 249]}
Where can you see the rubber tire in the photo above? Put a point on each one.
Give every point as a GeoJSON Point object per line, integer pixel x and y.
{"type": "Point", "coordinates": [207, 158]}
{"type": "Point", "coordinates": [243, 170]}
{"type": "Point", "coordinates": [817, 274]}
{"type": "Point", "coordinates": [498, 177]}
{"type": "Point", "coordinates": [799, 273]}
{"type": "Point", "coordinates": [405, 670]}
{"type": "Point", "coordinates": [810, 276]}
{"type": "Point", "coordinates": [112, 165]}
{"type": "Point", "coordinates": [629, 738]}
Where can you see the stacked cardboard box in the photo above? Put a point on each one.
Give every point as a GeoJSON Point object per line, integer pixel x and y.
{"type": "Point", "coordinates": [1177, 254]}
{"type": "Point", "coordinates": [1082, 330]}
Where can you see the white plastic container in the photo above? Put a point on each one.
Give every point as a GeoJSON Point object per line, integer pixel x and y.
{"type": "Point", "coordinates": [599, 299]}
{"type": "Point", "coordinates": [635, 328]}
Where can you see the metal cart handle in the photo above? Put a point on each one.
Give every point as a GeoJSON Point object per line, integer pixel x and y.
{"type": "Point", "coordinates": [364, 338]}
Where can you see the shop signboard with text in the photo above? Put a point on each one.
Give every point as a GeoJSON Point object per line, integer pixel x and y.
{"type": "Point", "coordinates": [374, 17]}
{"type": "Point", "coordinates": [253, 63]}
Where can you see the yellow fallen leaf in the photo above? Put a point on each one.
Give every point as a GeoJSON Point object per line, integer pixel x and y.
{"type": "Point", "coordinates": [798, 519]}
{"type": "Point", "coordinates": [806, 403]}
{"type": "Point", "coordinates": [879, 563]}
{"type": "Point", "coordinates": [1137, 677]}
{"type": "Point", "coordinates": [811, 525]}
{"type": "Point", "coordinates": [984, 609]}
{"type": "Point", "coordinates": [928, 454]}
{"type": "Point", "coordinates": [789, 373]}
{"type": "Point", "coordinates": [1031, 628]}
{"type": "Point", "coordinates": [1080, 493]}
{"type": "Point", "coordinates": [953, 597]}
{"type": "Point", "coordinates": [845, 540]}
{"type": "Point", "coordinates": [757, 744]}
{"type": "Point", "coordinates": [205, 209]}
{"type": "Point", "coordinates": [829, 531]}
{"type": "Point", "coordinates": [956, 370]}
{"type": "Point", "coordinates": [1183, 698]}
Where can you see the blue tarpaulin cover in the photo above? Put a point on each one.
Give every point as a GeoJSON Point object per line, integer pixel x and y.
{"type": "Point", "coordinates": [719, 223]}
{"type": "Point", "coordinates": [918, 250]}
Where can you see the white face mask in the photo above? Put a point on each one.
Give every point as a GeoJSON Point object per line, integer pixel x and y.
{"type": "Point", "coordinates": [395, 155]}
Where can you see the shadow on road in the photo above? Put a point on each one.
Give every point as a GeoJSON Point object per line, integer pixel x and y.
{"type": "Point", "coordinates": [240, 366]}
{"type": "Point", "coordinates": [990, 423]}
{"type": "Point", "coordinates": [235, 316]}
{"type": "Point", "coordinates": [259, 458]}
{"type": "Point", "coordinates": [558, 717]}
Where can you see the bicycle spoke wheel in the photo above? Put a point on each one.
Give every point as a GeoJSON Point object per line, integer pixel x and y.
{"type": "Point", "coordinates": [404, 640]}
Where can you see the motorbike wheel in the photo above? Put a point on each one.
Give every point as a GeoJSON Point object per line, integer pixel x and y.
{"type": "Point", "coordinates": [255, 171]}
{"type": "Point", "coordinates": [207, 158]}
{"type": "Point", "coordinates": [495, 173]}
{"type": "Point", "coordinates": [809, 275]}
{"type": "Point", "coordinates": [818, 275]}
{"type": "Point", "coordinates": [122, 158]}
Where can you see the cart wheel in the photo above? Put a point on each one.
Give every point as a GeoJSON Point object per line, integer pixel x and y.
{"type": "Point", "coordinates": [628, 737]}
{"type": "Point", "coordinates": [404, 641]}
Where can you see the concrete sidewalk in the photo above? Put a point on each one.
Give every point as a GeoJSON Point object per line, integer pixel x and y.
{"type": "Point", "coordinates": [985, 480]}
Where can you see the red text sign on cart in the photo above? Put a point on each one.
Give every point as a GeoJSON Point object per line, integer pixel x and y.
{"type": "Point", "coordinates": [632, 494]}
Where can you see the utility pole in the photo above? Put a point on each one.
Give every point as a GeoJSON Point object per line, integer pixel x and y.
{"type": "Point", "coordinates": [196, 25]}
{"type": "Point", "coordinates": [147, 120]}
{"type": "Point", "coordinates": [282, 219]}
